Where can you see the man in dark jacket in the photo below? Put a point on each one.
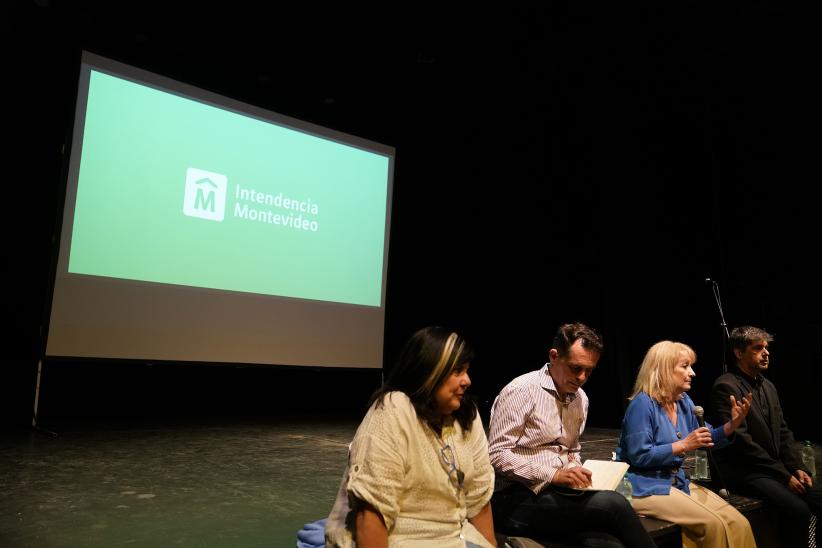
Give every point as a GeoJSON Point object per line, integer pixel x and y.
{"type": "Point", "coordinates": [763, 460]}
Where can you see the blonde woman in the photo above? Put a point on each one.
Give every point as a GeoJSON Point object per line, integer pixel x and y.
{"type": "Point", "coordinates": [659, 427]}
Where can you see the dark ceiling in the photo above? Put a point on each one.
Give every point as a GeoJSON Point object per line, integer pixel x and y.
{"type": "Point", "coordinates": [554, 162]}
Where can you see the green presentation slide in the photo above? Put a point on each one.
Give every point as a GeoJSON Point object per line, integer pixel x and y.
{"type": "Point", "coordinates": [176, 191]}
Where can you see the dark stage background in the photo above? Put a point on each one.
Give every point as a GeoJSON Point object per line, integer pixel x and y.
{"type": "Point", "coordinates": [553, 164]}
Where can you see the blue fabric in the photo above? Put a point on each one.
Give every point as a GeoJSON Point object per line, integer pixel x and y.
{"type": "Point", "coordinates": [312, 535]}
{"type": "Point", "coordinates": [646, 444]}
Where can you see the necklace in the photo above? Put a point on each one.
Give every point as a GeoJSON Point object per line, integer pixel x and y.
{"type": "Point", "coordinates": [448, 458]}
{"type": "Point", "coordinates": [449, 462]}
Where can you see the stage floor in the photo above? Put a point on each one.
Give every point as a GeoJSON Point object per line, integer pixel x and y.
{"type": "Point", "coordinates": [211, 483]}
{"type": "Point", "coordinates": [218, 484]}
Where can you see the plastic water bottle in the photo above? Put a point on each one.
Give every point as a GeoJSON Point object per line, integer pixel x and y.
{"type": "Point", "coordinates": [808, 458]}
{"type": "Point", "coordinates": [701, 465]}
{"type": "Point", "coordinates": [625, 488]}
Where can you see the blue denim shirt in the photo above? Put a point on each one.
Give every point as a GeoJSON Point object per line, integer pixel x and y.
{"type": "Point", "coordinates": [646, 444]}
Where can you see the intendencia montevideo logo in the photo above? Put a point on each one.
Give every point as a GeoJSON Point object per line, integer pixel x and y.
{"type": "Point", "coordinates": [205, 197]}
{"type": "Point", "coordinates": [205, 194]}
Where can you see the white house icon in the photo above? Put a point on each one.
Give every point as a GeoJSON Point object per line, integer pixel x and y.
{"type": "Point", "coordinates": [205, 194]}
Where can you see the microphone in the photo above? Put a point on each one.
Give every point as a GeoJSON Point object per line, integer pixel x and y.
{"type": "Point", "coordinates": [700, 415]}
{"type": "Point", "coordinates": [709, 281]}
{"type": "Point", "coordinates": [700, 418]}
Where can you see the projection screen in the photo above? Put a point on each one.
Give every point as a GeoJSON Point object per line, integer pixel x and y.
{"type": "Point", "coordinates": [201, 229]}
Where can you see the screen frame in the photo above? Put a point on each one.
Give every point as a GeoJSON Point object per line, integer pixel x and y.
{"type": "Point", "coordinates": [288, 305]}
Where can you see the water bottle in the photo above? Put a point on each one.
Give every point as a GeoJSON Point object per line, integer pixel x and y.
{"type": "Point", "coordinates": [625, 488]}
{"type": "Point", "coordinates": [808, 458]}
{"type": "Point", "coordinates": [701, 471]}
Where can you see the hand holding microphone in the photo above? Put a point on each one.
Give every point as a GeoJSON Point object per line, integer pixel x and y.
{"type": "Point", "coordinates": [701, 437]}
{"type": "Point", "coordinates": [701, 471]}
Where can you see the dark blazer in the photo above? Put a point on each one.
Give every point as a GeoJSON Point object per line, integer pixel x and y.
{"type": "Point", "coordinates": [762, 447]}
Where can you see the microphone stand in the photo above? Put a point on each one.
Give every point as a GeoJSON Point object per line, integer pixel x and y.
{"type": "Point", "coordinates": [726, 336]}
{"type": "Point", "coordinates": [712, 466]}
{"type": "Point", "coordinates": [726, 339]}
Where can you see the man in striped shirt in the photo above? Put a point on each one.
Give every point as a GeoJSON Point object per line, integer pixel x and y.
{"type": "Point", "coordinates": [536, 423]}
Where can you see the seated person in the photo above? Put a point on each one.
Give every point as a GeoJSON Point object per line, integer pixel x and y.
{"type": "Point", "coordinates": [536, 423]}
{"type": "Point", "coordinates": [418, 471]}
{"type": "Point", "coordinates": [659, 427]}
{"type": "Point", "coordinates": [762, 461]}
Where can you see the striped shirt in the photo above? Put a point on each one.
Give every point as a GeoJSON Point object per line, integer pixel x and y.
{"type": "Point", "coordinates": [533, 432]}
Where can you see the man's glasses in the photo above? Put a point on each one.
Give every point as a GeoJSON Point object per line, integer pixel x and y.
{"type": "Point", "coordinates": [447, 453]}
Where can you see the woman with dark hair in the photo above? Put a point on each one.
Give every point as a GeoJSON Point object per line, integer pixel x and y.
{"type": "Point", "coordinates": [418, 468]}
